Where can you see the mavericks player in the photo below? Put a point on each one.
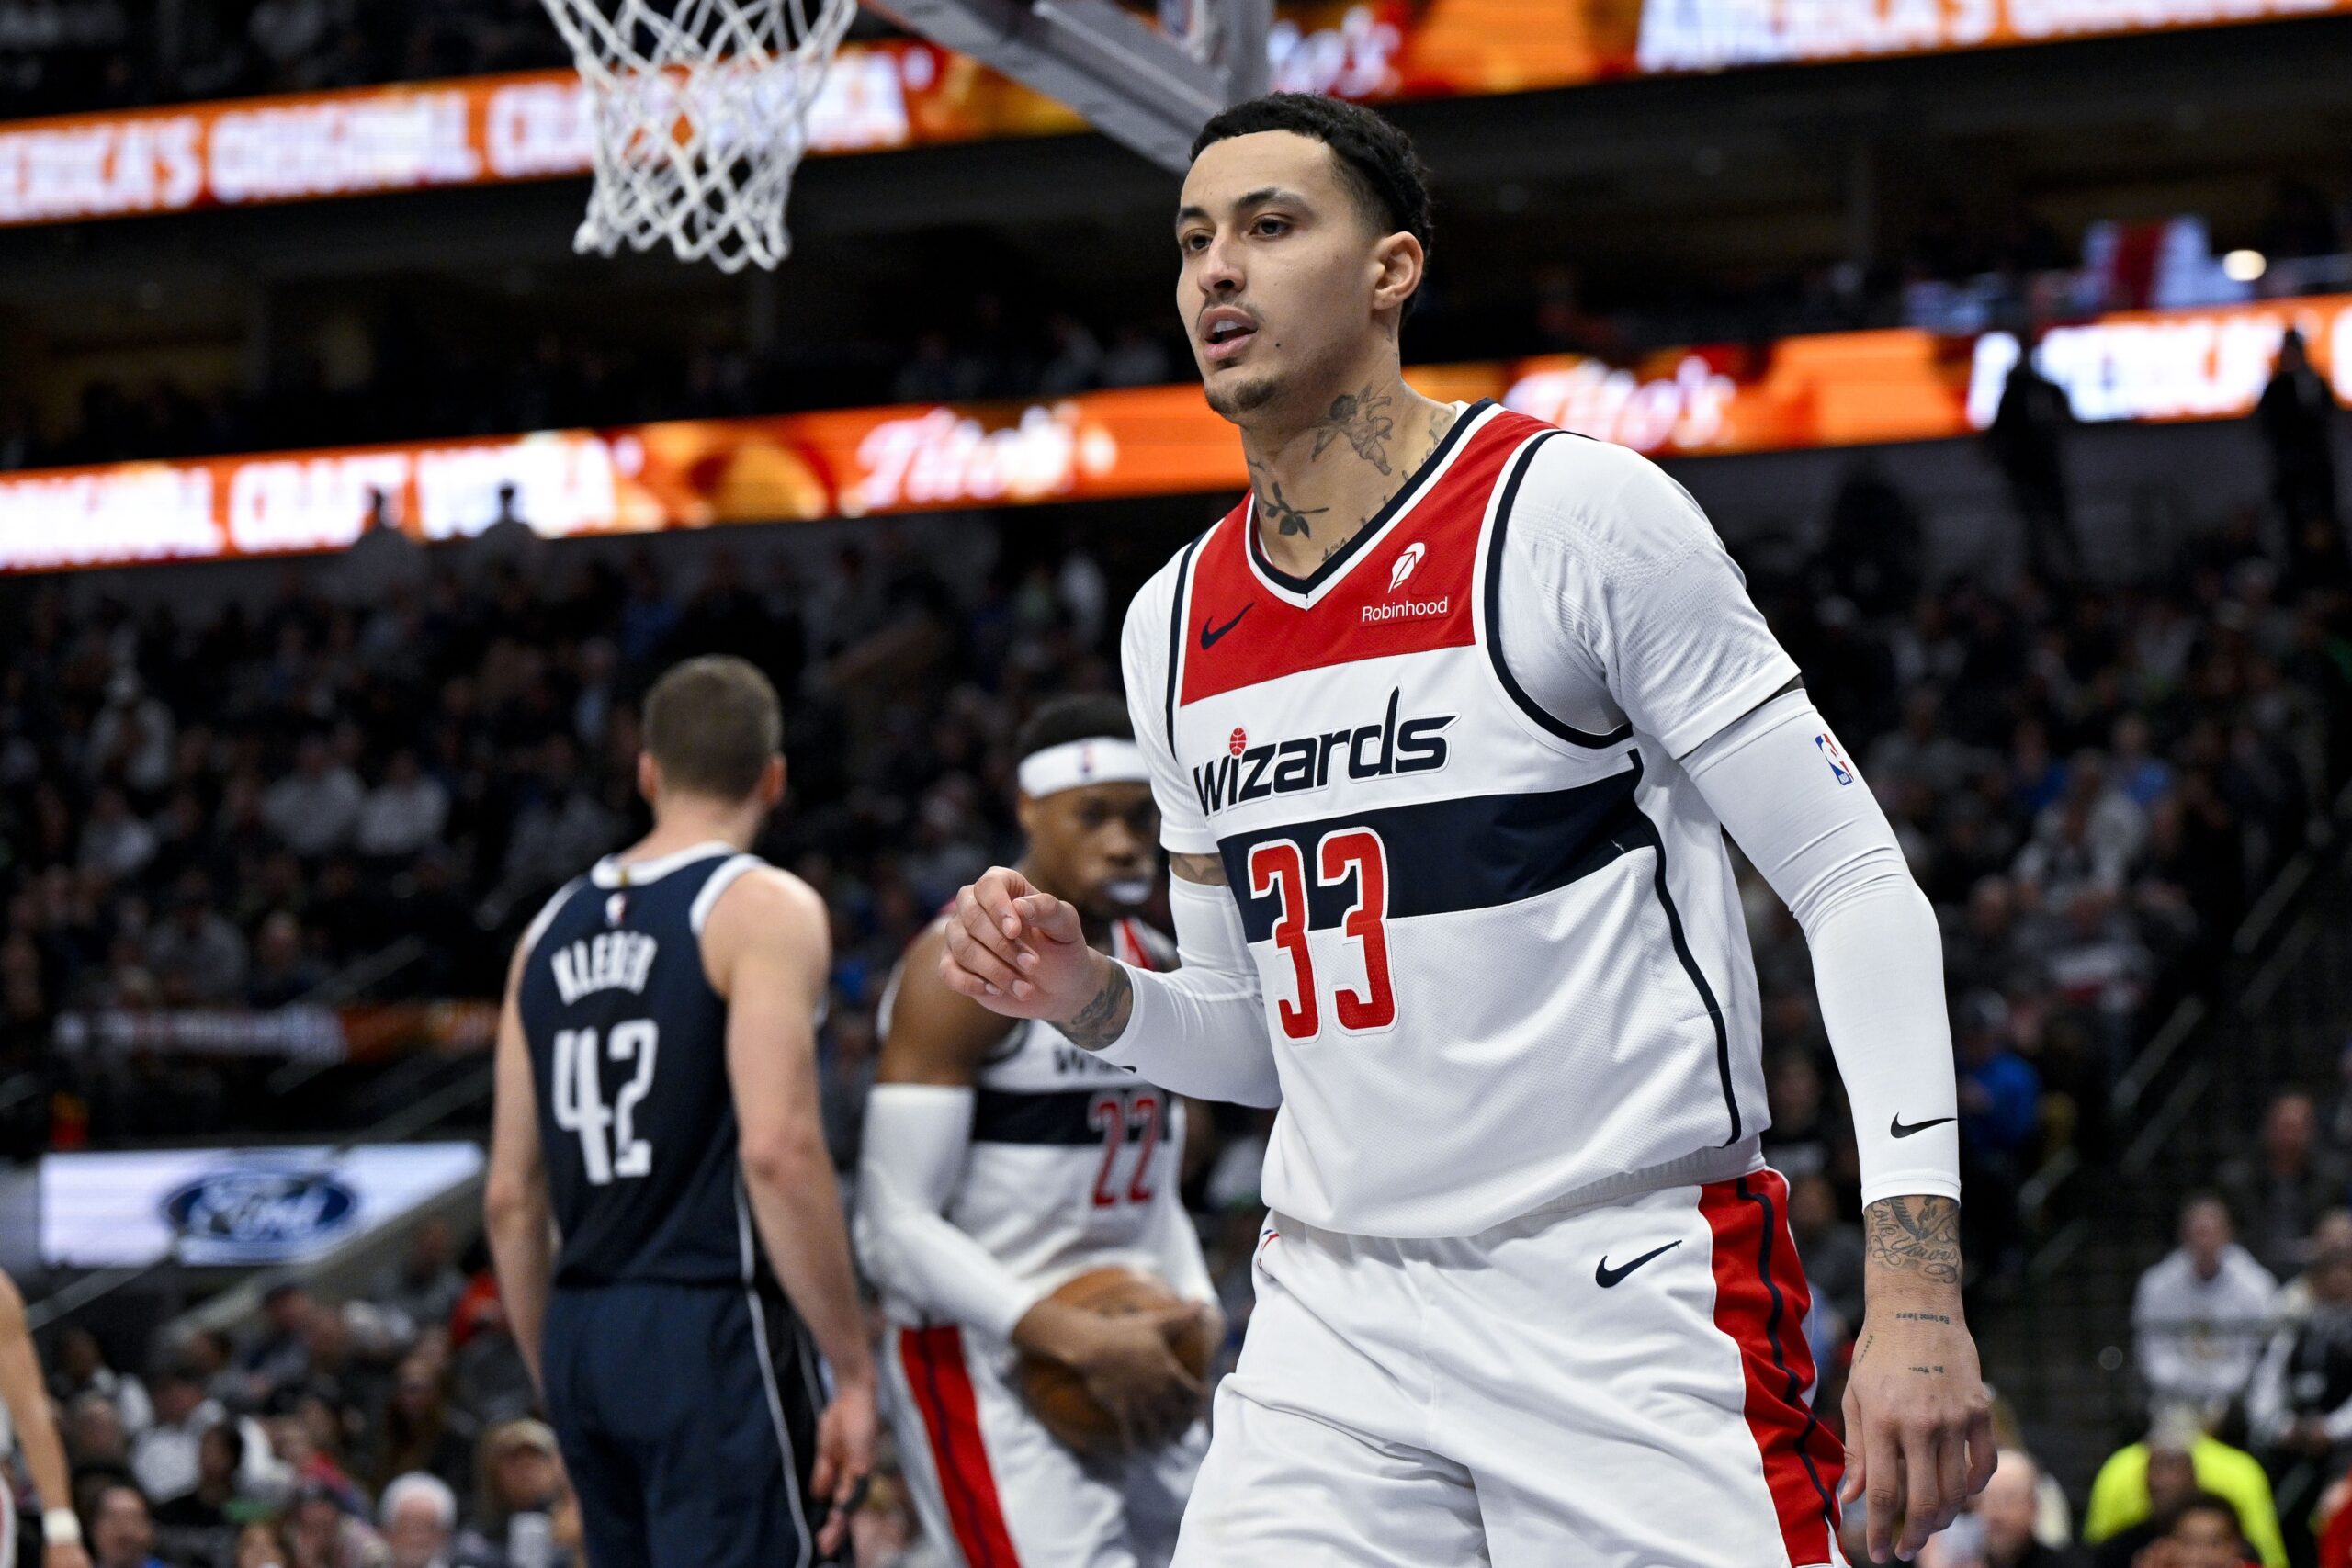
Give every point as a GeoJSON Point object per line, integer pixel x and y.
{"type": "Point", "coordinates": [657, 1101]}
{"type": "Point", "coordinates": [1000, 1160]}
{"type": "Point", "coordinates": [1447, 721]}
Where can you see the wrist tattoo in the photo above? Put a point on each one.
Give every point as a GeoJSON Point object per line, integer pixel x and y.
{"type": "Point", "coordinates": [1921, 1317]}
{"type": "Point", "coordinates": [1103, 1017]}
{"type": "Point", "coordinates": [1915, 1235]}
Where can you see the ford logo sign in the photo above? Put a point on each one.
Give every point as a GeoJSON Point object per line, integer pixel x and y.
{"type": "Point", "coordinates": [258, 1215]}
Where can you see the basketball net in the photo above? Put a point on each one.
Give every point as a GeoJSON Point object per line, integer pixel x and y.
{"type": "Point", "coordinates": [701, 115]}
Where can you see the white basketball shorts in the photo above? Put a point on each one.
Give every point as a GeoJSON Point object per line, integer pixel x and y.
{"type": "Point", "coordinates": [1623, 1385]}
{"type": "Point", "coordinates": [997, 1489]}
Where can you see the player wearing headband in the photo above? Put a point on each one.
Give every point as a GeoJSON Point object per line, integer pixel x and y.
{"type": "Point", "coordinates": [999, 1161]}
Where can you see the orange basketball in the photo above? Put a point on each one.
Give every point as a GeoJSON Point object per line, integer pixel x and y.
{"type": "Point", "coordinates": [1059, 1395]}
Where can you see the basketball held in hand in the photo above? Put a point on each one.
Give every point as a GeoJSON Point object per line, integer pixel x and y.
{"type": "Point", "coordinates": [1058, 1394]}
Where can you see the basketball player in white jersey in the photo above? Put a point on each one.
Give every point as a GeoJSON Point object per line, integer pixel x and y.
{"type": "Point", "coordinates": [1000, 1160]}
{"type": "Point", "coordinates": [24, 1407]}
{"type": "Point", "coordinates": [1447, 722]}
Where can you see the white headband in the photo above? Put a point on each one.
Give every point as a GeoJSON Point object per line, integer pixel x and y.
{"type": "Point", "coordinates": [1076, 763]}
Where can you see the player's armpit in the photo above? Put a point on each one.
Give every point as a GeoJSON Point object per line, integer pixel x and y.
{"type": "Point", "coordinates": [1207, 870]}
{"type": "Point", "coordinates": [935, 1035]}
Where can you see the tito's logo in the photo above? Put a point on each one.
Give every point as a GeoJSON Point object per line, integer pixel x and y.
{"type": "Point", "coordinates": [1294, 767]}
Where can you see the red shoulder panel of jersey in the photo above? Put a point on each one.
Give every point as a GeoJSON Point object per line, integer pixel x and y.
{"type": "Point", "coordinates": [1408, 591]}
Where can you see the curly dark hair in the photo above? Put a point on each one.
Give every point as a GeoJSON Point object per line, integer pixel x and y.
{"type": "Point", "coordinates": [1376, 160]}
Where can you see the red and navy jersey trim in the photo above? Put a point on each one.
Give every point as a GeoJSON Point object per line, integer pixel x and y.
{"type": "Point", "coordinates": [1544, 719]}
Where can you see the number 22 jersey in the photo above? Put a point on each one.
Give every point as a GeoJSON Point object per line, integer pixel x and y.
{"type": "Point", "coordinates": [627, 1042]}
{"type": "Point", "coordinates": [1496, 934]}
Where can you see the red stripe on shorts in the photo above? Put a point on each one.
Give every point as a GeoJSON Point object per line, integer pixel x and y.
{"type": "Point", "coordinates": [1761, 1302]}
{"type": "Point", "coordinates": [934, 1359]}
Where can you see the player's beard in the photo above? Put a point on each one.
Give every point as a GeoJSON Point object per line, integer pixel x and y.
{"type": "Point", "coordinates": [1235, 397]}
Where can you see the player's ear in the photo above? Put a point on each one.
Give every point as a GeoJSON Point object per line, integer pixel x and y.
{"type": "Point", "coordinates": [1025, 811]}
{"type": "Point", "coordinates": [1399, 264]}
{"type": "Point", "coordinates": [649, 777]}
{"type": "Point", "coordinates": [772, 782]}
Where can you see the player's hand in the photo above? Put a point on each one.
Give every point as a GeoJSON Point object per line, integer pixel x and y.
{"type": "Point", "coordinates": [1018, 951]}
{"type": "Point", "coordinates": [1128, 1363]}
{"type": "Point", "coordinates": [67, 1555]}
{"type": "Point", "coordinates": [1918, 1421]}
{"type": "Point", "coordinates": [845, 1436]}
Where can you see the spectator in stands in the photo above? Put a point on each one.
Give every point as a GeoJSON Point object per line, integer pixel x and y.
{"type": "Point", "coordinates": [114, 843]}
{"type": "Point", "coordinates": [2281, 1193]}
{"type": "Point", "coordinates": [2331, 1236]}
{"type": "Point", "coordinates": [404, 812]}
{"type": "Point", "coordinates": [2203, 1531]}
{"type": "Point", "coordinates": [2297, 417]}
{"type": "Point", "coordinates": [195, 955]}
{"type": "Point", "coordinates": [2000, 1126]}
{"type": "Point", "coordinates": [1998, 1530]}
{"type": "Point", "coordinates": [2202, 1314]}
{"type": "Point", "coordinates": [199, 1516]}
{"type": "Point", "coordinates": [420, 1430]}
{"type": "Point", "coordinates": [519, 1492]}
{"type": "Point", "coordinates": [2301, 1400]}
{"type": "Point", "coordinates": [80, 1368]}
{"type": "Point", "coordinates": [119, 1530]}
{"type": "Point", "coordinates": [2028, 439]}
{"type": "Point", "coordinates": [283, 970]}
{"type": "Point", "coordinates": [2140, 1486]}
{"type": "Point", "coordinates": [164, 1457]}
{"type": "Point", "coordinates": [419, 1515]}
{"type": "Point", "coordinates": [261, 1544]}
{"type": "Point", "coordinates": [424, 1285]}
{"type": "Point", "coordinates": [321, 1532]}
{"type": "Point", "coordinates": [313, 809]}
{"type": "Point", "coordinates": [94, 1435]}
{"type": "Point", "coordinates": [279, 1353]}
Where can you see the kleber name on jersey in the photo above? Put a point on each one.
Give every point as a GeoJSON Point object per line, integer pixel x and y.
{"type": "Point", "coordinates": [611, 961]}
{"type": "Point", "coordinates": [1305, 763]}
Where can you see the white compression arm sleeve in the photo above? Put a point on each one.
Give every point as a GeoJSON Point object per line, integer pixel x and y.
{"type": "Point", "coordinates": [1878, 962]}
{"type": "Point", "coordinates": [916, 1137]}
{"type": "Point", "coordinates": [1202, 1031]}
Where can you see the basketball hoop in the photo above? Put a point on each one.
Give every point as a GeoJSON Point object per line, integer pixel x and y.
{"type": "Point", "coordinates": [701, 114]}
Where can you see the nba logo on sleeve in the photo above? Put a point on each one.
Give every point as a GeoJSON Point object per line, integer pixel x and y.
{"type": "Point", "coordinates": [1835, 759]}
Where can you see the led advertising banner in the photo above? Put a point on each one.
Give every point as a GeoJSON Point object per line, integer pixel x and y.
{"type": "Point", "coordinates": [1832, 389]}
{"type": "Point", "coordinates": [241, 1207]}
{"type": "Point", "coordinates": [487, 129]}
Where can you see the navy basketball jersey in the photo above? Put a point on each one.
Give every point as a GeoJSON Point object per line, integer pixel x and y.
{"type": "Point", "coordinates": [629, 1058]}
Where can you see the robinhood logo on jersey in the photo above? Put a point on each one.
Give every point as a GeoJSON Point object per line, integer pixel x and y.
{"type": "Point", "coordinates": [1297, 766]}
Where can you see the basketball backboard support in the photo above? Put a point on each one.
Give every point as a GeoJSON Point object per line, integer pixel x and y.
{"type": "Point", "coordinates": [700, 108]}
{"type": "Point", "coordinates": [1149, 89]}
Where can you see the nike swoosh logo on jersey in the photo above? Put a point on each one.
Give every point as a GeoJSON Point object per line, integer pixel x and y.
{"type": "Point", "coordinates": [1210, 634]}
{"type": "Point", "coordinates": [1900, 1131]}
{"type": "Point", "coordinates": [1605, 1276]}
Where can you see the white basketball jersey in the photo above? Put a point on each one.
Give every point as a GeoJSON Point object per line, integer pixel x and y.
{"type": "Point", "coordinates": [1069, 1154]}
{"type": "Point", "coordinates": [1495, 925]}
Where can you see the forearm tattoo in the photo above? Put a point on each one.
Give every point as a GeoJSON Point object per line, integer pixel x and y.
{"type": "Point", "coordinates": [1915, 1235]}
{"type": "Point", "coordinates": [1104, 1018]}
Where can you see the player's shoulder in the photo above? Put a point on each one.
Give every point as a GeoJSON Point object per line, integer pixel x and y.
{"type": "Point", "coordinates": [1152, 611]}
{"type": "Point", "coordinates": [758, 896]}
{"type": "Point", "coordinates": [1603, 502]}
